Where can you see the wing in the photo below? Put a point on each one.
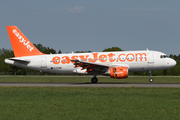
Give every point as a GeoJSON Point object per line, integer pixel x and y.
{"type": "Point", "coordinates": [94, 68]}
{"type": "Point", "coordinates": [90, 68]}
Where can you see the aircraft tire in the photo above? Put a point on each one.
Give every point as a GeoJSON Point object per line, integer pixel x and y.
{"type": "Point", "coordinates": [151, 80]}
{"type": "Point", "coordinates": [94, 80]}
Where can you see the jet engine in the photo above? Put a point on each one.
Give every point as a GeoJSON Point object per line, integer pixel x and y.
{"type": "Point", "coordinates": [119, 72]}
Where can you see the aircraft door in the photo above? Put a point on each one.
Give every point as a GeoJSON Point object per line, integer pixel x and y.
{"type": "Point", "coordinates": [150, 58]}
{"type": "Point", "coordinates": [43, 62]}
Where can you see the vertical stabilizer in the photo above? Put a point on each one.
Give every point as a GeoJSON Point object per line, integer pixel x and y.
{"type": "Point", "coordinates": [20, 44]}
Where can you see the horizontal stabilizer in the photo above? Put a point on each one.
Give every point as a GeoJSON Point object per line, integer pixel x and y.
{"type": "Point", "coordinates": [19, 60]}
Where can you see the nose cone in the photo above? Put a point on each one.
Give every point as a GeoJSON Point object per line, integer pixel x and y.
{"type": "Point", "coordinates": [171, 63]}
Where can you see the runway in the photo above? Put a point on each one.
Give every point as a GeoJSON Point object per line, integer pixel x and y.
{"type": "Point", "coordinates": [13, 84]}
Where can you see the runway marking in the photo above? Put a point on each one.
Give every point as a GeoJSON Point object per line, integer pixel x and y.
{"type": "Point", "coordinates": [169, 85]}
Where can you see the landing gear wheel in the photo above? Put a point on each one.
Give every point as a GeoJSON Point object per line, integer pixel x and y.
{"type": "Point", "coordinates": [151, 80]}
{"type": "Point", "coordinates": [94, 80]}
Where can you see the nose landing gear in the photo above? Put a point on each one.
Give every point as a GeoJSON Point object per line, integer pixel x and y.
{"type": "Point", "coordinates": [150, 79]}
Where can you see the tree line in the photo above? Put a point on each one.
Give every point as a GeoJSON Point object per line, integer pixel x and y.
{"type": "Point", "coordinates": [8, 53]}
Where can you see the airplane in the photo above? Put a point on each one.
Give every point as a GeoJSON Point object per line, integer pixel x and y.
{"type": "Point", "coordinates": [114, 64]}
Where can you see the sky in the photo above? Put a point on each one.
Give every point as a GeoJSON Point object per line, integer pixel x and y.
{"type": "Point", "coordinates": [93, 25]}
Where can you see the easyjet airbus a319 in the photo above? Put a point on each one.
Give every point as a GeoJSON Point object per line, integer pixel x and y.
{"type": "Point", "coordinates": [115, 64]}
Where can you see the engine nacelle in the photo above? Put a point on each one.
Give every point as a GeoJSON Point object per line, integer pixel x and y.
{"type": "Point", "coordinates": [119, 72]}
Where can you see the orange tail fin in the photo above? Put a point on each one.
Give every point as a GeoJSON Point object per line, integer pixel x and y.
{"type": "Point", "coordinates": [20, 44]}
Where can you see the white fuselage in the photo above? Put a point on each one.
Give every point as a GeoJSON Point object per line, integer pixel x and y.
{"type": "Point", "coordinates": [62, 64]}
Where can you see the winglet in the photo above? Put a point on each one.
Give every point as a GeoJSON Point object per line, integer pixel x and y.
{"type": "Point", "coordinates": [20, 44]}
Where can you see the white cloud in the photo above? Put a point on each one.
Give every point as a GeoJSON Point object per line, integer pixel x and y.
{"type": "Point", "coordinates": [76, 9]}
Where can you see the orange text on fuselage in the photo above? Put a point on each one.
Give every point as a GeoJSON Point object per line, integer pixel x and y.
{"type": "Point", "coordinates": [94, 57]}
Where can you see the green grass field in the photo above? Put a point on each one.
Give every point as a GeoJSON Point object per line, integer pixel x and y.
{"type": "Point", "coordinates": [64, 103]}
{"type": "Point", "coordinates": [87, 79]}
{"type": "Point", "coordinates": [86, 103]}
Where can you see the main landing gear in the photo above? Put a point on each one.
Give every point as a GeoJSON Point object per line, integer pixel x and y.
{"type": "Point", "coordinates": [150, 79]}
{"type": "Point", "coordinates": [94, 80]}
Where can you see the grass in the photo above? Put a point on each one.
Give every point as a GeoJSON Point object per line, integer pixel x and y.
{"type": "Point", "coordinates": [66, 103]}
{"type": "Point", "coordinates": [87, 79]}
{"type": "Point", "coordinates": [73, 103]}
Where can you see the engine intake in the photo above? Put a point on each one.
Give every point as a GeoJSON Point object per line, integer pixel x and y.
{"type": "Point", "coordinates": [119, 72]}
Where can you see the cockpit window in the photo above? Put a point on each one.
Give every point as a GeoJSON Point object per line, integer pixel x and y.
{"type": "Point", "coordinates": [163, 56]}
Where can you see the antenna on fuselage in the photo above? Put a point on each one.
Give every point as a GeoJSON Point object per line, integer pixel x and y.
{"type": "Point", "coordinates": [147, 49]}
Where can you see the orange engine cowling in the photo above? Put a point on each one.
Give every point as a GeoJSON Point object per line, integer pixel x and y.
{"type": "Point", "coordinates": [119, 72]}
